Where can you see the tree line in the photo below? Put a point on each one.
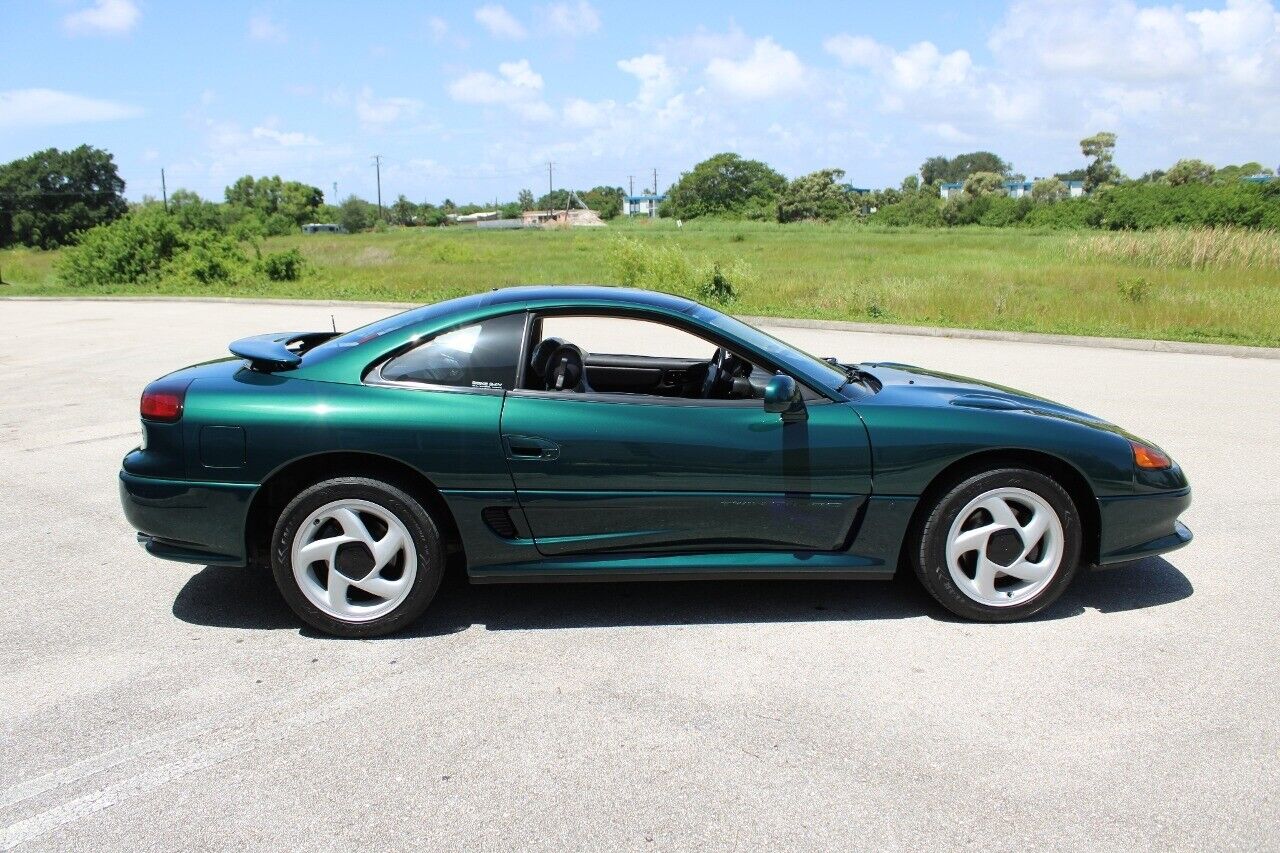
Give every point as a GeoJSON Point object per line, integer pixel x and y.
{"type": "Point", "coordinates": [57, 198]}
{"type": "Point", "coordinates": [1190, 193]}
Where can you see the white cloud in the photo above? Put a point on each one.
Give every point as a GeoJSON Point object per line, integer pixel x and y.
{"type": "Point", "coordinates": [263, 28]}
{"type": "Point", "coordinates": [910, 70]}
{"type": "Point", "coordinates": [499, 22]}
{"type": "Point", "coordinates": [655, 75]}
{"type": "Point", "coordinates": [582, 113]}
{"type": "Point", "coordinates": [516, 86]}
{"type": "Point", "coordinates": [1121, 41]}
{"type": "Point", "coordinates": [379, 111]}
{"type": "Point", "coordinates": [104, 17]}
{"type": "Point", "coordinates": [769, 71]}
{"type": "Point", "coordinates": [571, 19]}
{"type": "Point", "coordinates": [46, 107]}
{"type": "Point", "coordinates": [287, 139]}
{"type": "Point", "coordinates": [948, 132]}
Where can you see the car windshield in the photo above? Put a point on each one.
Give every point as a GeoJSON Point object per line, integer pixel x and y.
{"type": "Point", "coordinates": [767, 343]}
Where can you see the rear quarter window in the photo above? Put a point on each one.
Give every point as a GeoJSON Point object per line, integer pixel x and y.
{"type": "Point", "coordinates": [481, 355]}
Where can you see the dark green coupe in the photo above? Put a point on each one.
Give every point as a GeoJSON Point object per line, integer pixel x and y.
{"type": "Point", "coordinates": [595, 433]}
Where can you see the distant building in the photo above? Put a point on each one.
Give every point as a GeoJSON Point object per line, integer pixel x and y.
{"type": "Point", "coordinates": [1014, 189]}
{"type": "Point", "coordinates": [479, 216]}
{"type": "Point", "coordinates": [642, 205]}
{"type": "Point", "coordinates": [537, 217]}
{"type": "Point", "coordinates": [323, 228]}
{"type": "Point", "coordinates": [1260, 179]}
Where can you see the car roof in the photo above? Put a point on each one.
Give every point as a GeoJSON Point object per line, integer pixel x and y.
{"type": "Point", "coordinates": [570, 294]}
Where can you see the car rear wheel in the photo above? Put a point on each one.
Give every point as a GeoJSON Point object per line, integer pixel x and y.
{"type": "Point", "coordinates": [356, 557]}
{"type": "Point", "coordinates": [999, 545]}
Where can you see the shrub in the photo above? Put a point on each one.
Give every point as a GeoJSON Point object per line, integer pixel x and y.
{"type": "Point", "coordinates": [131, 249]}
{"type": "Point", "coordinates": [208, 258]}
{"type": "Point", "coordinates": [288, 265]}
{"type": "Point", "coordinates": [664, 266]}
{"type": "Point", "coordinates": [1134, 289]}
{"type": "Point", "coordinates": [920, 209]}
{"type": "Point", "coordinates": [1068, 213]}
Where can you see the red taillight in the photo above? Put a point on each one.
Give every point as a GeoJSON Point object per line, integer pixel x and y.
{"type": "Point", "coordinates": [1151, 458]}
{"type": "Point", "coordinates": [162, 400]}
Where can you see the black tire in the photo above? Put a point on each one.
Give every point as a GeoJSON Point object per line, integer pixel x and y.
{"type": "Point", "coordinates": [927, 546]}
{"type": "Point", "coordinates": [423, 532]}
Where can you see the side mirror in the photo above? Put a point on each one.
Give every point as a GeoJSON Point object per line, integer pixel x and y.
{"type": "Point", "coordinates": [782, 397]}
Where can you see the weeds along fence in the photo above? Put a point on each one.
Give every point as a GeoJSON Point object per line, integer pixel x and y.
{"type": "Point", "coordinates": [1198, 248]}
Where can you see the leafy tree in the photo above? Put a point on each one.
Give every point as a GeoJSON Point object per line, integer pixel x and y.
{"type": "Point", "coordinates": [404, 212]}
{"type": "Point", "coordinates": [50, 196]}
{"type": "Point", "coordinates": [295, 201]}
{"type": "Point", "coordinates": [1073, 175]}
{"type": "Point", "coordinates": [726, 185]}
{"type": "Point", "coordinates": [817, 195]}
{"type": "Point", "coordinates": [940, 170]}
{"type": "Point", "coordinates": [356, 214]}
{"type": "Point", "coordinates": [606, 201]}
{"type": "Point", "coordinates": [910, 184]}
{"type": "Point", "coordinates": [1233, 174]}
{"type": "Point", "coordinates": [984, 183]}
{"type": "Point", "coordinates": [554, 200]}
{"type": "Point", "coordinates": [192, 213]}
{"type": "Point", "coordinates": [1189, 172]}
{"type": "Point", "coordinates": [525, 200]}
{"type": "Point", "coordinates": [1049, 189]}
{"type": "Point", "coordinates": [1102, 171]}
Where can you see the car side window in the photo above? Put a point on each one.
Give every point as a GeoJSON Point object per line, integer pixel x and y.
{"type": "Point", "coordinates": [482, 355]}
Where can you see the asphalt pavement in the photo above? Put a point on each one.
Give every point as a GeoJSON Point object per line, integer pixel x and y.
{"type": "Point", "coordinates": [147, 705]}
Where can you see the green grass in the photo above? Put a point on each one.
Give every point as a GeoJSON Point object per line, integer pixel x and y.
{"type": "Point", "coordinates": [1012, 279]}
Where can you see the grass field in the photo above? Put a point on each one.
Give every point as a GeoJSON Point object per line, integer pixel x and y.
{"type": "Point", "coordinates": [977, 278]}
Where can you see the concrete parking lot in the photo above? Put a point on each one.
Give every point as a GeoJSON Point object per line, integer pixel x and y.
{"type": "Point", "coordinates": [152, 705]}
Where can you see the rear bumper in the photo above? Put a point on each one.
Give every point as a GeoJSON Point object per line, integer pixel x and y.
{"type": "Point", "coordinates": [191, 522]}
{"type": "Point", "coordinates": [1140, 526]}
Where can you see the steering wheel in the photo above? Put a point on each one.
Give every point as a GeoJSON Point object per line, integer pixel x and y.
{"type": "Point", "coordinates": [566, 370]}
{"type": "Point", "coordinates": [718, 380]}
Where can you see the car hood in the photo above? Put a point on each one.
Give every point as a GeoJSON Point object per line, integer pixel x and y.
{"type": "Point", "coordinates": [912, 385]}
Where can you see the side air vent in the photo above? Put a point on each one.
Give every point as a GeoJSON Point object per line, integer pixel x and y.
{"type": "Point", "coordinates": [499, 520]}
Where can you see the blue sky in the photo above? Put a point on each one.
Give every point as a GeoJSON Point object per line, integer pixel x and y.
{"type": "Point", "coordinates": [470, 100]}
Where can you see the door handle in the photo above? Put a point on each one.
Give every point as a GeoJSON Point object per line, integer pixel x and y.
{"type": "Point", "coordinates": [530, 448]}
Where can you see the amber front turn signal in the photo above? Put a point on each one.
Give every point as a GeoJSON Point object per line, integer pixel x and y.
{"type": "Point", "coordinates": [1150, 458]}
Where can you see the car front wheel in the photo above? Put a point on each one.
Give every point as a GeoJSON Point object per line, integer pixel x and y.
{"type": "Point", "coordinates": [999, 545]}
{"type": "Point", "coordinates": [356, 557]}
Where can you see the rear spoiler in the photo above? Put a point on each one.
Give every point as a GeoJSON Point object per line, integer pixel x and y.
{"type": "Point", "coordinates": [277, 350]}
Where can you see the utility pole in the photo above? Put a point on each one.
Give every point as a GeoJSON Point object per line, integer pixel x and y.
{"type": "Point", "coordinates": [335, 194]}
{"type": "Point", "coordinates": [164, 192]}
{"type": "Point", "coordinates": [655, 182]}
{"type": "Point", "coordinates": [550, 184]}
{"type": "Point", "coordinates": [631, 184]}
{"type": "Point", "coordinates": [377, 165]}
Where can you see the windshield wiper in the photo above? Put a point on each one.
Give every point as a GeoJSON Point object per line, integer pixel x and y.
{"type": "Point", "coordinates": [851, 372]}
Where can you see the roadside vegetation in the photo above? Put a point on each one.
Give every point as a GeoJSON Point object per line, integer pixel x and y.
{"type": "Point", "coordinates": [1191, 254]}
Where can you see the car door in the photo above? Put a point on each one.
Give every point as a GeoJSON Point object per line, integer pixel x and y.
{"type": "Point", "coordinates": [597, 472]}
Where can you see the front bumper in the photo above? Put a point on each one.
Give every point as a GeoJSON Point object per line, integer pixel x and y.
{"type": "Point", "coordinates": [1140, 526]}
{"type": "Point", "coordinates": [191, 522]}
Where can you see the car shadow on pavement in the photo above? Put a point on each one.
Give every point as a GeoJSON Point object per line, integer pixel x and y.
{"type": "Point", "coordinates": [247, 599]}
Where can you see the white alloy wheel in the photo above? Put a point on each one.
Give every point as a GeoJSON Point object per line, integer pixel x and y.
{"type": "Point", "coordinates": [1005, 546]}
{"type": "Point", "coordinates": [354, 560]}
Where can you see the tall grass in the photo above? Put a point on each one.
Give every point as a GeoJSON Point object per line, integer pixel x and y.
{"type": "Point", "coordinates": [982, 278]}
{"type": "Point", "coordinates": [1197, 248]}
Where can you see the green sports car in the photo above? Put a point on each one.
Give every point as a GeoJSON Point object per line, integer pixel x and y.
{"type": "Point", "coordinates": [599, 433]}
